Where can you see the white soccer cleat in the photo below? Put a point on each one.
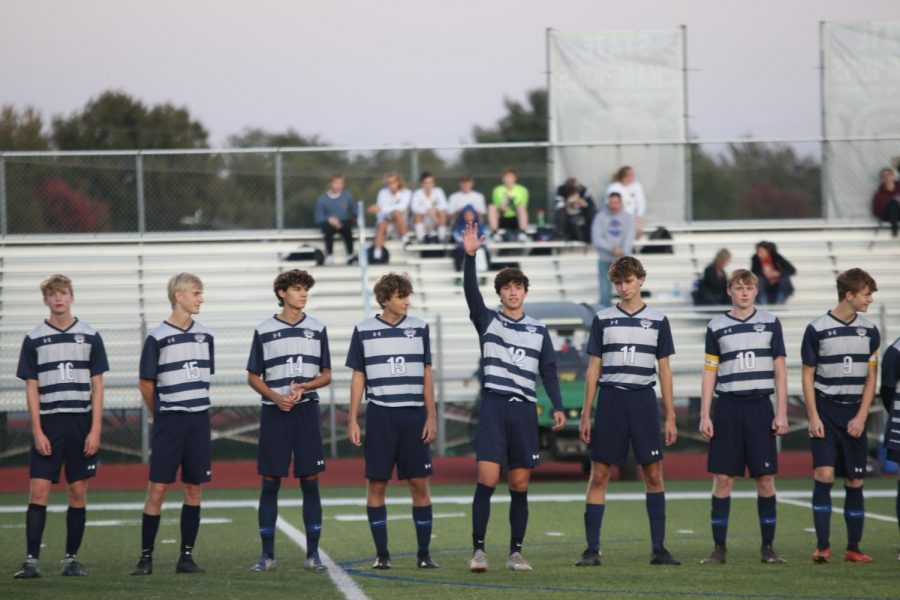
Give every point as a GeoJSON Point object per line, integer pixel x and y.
{"type": "Point", "coordinates": [517, 562]}
{"type": "Point", "coordinates": [479, 562]}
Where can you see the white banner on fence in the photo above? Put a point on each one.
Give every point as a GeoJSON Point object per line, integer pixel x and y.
{"type": "Point", "coordinates": [623, 87]}
{"type": "Point", "coordinates": [861, 97]}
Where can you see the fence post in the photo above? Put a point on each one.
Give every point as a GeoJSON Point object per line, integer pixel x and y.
{"type": "Point", "coordinates": [279, 190]}
{"type": "Point", "coordinates": [441, 417]}
{"type": "Point", "coordinates": [139, 184]}
{"type": "Point", "coordinates": [414, 166]}
{"type": "Point", "coordinates": [4, 226]}
{"type": "Point", "coordinates": [332, 420]}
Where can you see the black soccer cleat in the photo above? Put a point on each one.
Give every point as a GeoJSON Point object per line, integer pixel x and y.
{"type": "Point", "coordinates": [589, 558]}
{"type": "Point", "coordinates": [719, 556]}
{"type": "Point", "coordinates": [382, 561]}
{"type": "Point", "coordinates": [72, 568]}
{"type": "Point", "coordinates": [31, 569]}
{"type": "Point", "coordinates": [144, 566]}
{"type": "Point", "coordinates": [662, 556]}
{"type": "Point", "coordinates": [186, 564]}
{"type": "Point", "coordinates": [425, 562]}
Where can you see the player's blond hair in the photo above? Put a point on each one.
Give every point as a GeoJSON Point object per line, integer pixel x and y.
{"type": "Point", "coordinates": [742, 276]}
{"type": "Point", "coordinates": [182, 282]}
{"type": "Point", "coordinates": [56, 283]}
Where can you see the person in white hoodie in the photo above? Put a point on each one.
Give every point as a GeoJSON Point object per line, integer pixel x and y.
{"type": "Point", "coordinates": [632, 193]}
{"type": "Point", "coordinates": [612, 234]}
{"type": "Point", "coordinates": [390, 208]}
{"type": "Point", "coordinates": [429, 209]}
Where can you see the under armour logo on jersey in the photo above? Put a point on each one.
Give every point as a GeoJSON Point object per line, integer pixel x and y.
{"type": "Point", "coordinates": [308, 334]}
{"type": "Point", "coordinates": [531, 329]}
{"type": "Point", "coordinates": [831, 332]}
{"type": "Point", "coordinates": [277, 334]}
{"type": "Point", "coordinates": [759, 328]}
{"type": "Point", "coordinates": [200, 338]}
{"type": "Point", "coordinates": [614, 322]}
{"type": "Point", "coordinates": [861, 331]}
{"type": "Point", "coordinates": [654, 453]}
{"type": "Point", "coordinates": [727, 331]}
{"type": "Point", "coordinates": [170, 340]}
{"type": "Point", "coordinates": [79, 339]}
{"type": "Point", "coordinates": [47, 340]}
{"type": "Point", "coordinates": [410, 332]}
{"type": "Point", "coordinates": [376, 334]}
{"type": "Point", "coordinates": [646, 324]}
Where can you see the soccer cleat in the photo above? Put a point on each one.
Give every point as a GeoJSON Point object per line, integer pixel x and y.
{"type": "Point", "coordinates": [31, 569]}
{"type": "Point", "coordinates": [517, 562]}
{"type": "Point", "coordinates": [768, 555]}
{"type": "Point", "coordinates": [856, 557]}
{"type": "Point", "coordinates": [589, 558]}
{"type": "Point", "coordinates": [186, 564]}
{"type": "Point", "coordinates": [717, 557]}
{"type": "Point", "coordinates": [313, 563]}
{"type": "Point", "coordinates": [264, 565]}
{"type": "Point", "coordinates": [663, 557]}
{"type": "Point", "coordinates": [822, 556]}
{"type": "Point", "coordinates": [144, 566]}
{"type": "Point", "coordinates": [425, 562]}
{"type": "Point", "coordinates": [382, 561]}
{"type": "Point", "coordinates": [478, 563]}
{"type": "Point", "coordinates": [72, 568]}
{"type": "Point", "coordinates": [522, 237]}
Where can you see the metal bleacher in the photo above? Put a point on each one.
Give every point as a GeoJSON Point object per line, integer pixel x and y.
{"type": "Point", "coordinates": [120, 289]}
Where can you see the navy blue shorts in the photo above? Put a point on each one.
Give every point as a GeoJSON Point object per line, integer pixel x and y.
{"type": "Point", "coordinates": [66, 432]}
{"type": "Point", "coordinates": [296, 433]}
{"type": "Point", "coordinates": [394, 437]}
{"type": "Point", "coordinates": [626, 417]}
{"type": "Point", "coordinates": [893, 456]}
{"type": "Point", "coordinates": [848, 455]}
{"type": "Point", "coordinates": [743, 439]}
{"type": "Point", "coordinates": [507, 432]}
{"type": "Point", "coordinates": [181, 439]}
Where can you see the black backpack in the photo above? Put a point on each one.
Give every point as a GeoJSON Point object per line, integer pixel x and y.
{"type": "Point", "coordinates": [661, 233]}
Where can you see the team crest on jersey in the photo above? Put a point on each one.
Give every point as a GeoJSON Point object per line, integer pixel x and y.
{"type": "Point", "coordinates": [308, 334]}
{"type": "Point", "coordinates": [861, 331]}
{"type": "Point", "coordinates": [409, 332]}
{"type": "Point", "coordinates": [531, 329]}
{"type": "Point", "coordinates": [200, 337]}
{"type": "Point", "coordinates": [646, 324]}
{"type": "Point", "coordinates": [759, 328]}
{"type": "Point", "coordinates": [79, 339]}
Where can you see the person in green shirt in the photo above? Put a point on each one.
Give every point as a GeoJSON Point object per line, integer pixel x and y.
{"type": "Point", "coordinates": [509, 207]}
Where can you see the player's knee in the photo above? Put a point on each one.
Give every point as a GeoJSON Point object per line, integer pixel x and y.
{"type": "Point", "coordinates": [824, 474]}
{"type": "Point", "coordinates": [191, 494]}
{"type": "Point", "coordinates": [854, 483]}
{"type": "Point", "coordinates": [39, 491]}
{"type": "Point", "coordinates": [653, 479]}
{"type": "Point", "coordinates": [418, 490]}
{"type": "Point", "coordinates": [723, 484]}
{"type": "Point", "coordinates": [375, 491]}
{"type": "Point", "coordinates": [77, 493]}
{"type": "Point", "coordinates": [765, 485]}
{"type": "Point", "coordinates": [599, 476]}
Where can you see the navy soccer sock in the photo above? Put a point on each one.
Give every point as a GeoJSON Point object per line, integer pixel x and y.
{"type": "Point", "coordinates": [593, 520]}
{"type": "Point", "coordinates": [422, 518]}
{"type": "Point", "coordinates": [267, 514]}
{"type": "Point", "coordinates": [718, 519]}
{"type": "Point", "coordinates": [897, 508]}
{"type": "Point", "coordinates": [149, 527]}
{"type": "Point", "coordinates": [854, 516]}
{"type": "Point", "coordinates": [378, 525]}
{"type": "Point", "coordinates": [35, 519]}
{"type": "Point", "coordinates": [190, 525]}
{"type": "Point", "coordinates": [312, 514]}
{"type": "Point", "coordinates": [518, 519]}
{"type": "Point", "coordinates": [765, 508]}
{"type": "Point", "coordinates": [656, 514]}
{"type": "Point", "coordinates": [821, 502]}
{"type": "Point", "coordinates": [481, 512]}
{"type": "Point", "coordinates": [75, 518]}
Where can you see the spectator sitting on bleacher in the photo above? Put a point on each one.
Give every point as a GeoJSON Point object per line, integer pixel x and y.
{"type": "Point", "coordinates": [464, 197]}
{"type": "Point", "coordinates": [612, 234]}
{"type": "Point", "coordinates": [774, 272]}
{"type": "Point", "coordinates": [886, 201]}
{"type": "Point", "coordinates": [509, 207]}
{"type": "Point", "coordinates": [575, 211]}
{"type": "Point", "coordinates": [429, 209]}
{"type": "Point", "coordinates": [468, 215]}
{"type": "Point", "coordinates": [390, 209]}
{"type": "Point", "coordinates": [335, 213]}
{"type": "Point", "coordinates": [633, 200]}
{"type": "Point", "coordinates": [713, 286]}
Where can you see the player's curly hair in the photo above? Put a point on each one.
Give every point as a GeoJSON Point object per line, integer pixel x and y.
{"type": "Point", "coordinates": [624, 267]}
{"type": "Point", "coordinates": [289, 279]}
{"type": "Point", "coordinates": [391, 283]}
{"type": "Point", "coordinates": [55, 283]}
{"type": "Point", "coordinates": [508, 275]}
{"type": "Point", "coordinates": [854, 280]}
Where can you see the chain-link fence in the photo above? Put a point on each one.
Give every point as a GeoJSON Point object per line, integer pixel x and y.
{"type": "Point", "coordinates": [158, 191]}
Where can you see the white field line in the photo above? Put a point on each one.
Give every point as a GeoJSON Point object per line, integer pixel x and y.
{"type": "Point", "coordinates": [452, 500]}
{"type": "Point", "coordinates": [362, 517]}
{"type": "Point", "coordinates": [341, 580]}
{"type": "Point", "coordinates": [839, 509]}
{"type": "Point", "coordinates": [132, 522]}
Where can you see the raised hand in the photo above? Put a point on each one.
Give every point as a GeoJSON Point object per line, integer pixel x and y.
{"type": "Point", "coordinates": [470, 239]}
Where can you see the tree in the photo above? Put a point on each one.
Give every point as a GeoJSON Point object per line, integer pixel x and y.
{"type": "Point", "coordinates": [22, 130]}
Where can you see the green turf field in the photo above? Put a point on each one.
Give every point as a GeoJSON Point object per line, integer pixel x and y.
{"type": "Point", "coordinates": [228, 545]}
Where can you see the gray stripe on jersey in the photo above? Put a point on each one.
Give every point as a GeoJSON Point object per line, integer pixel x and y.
{"type": "Point", "coordinates": [386, 357]}
{"type": "Point", "coordinates": [752, 371]}
{"type": "Point", "coordinates": [294, 348]}
{"type": "Point", "coordinates": [832, 377]}
{"type": "Point", "coordinates": [616, 362]}
{"type": "Point", "coordinates": [183, 354]}
{"type": "Point", "coordinates": [62, 353]}
{"type": "Point", "coordinates": [508, 343]}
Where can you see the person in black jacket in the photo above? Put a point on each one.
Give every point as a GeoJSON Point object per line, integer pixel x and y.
{"type": "Point", "coordinates": [713, 287]}
{"type": "Point", "coordinates": [774, 272]}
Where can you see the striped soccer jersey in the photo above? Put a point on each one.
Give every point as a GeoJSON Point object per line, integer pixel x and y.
{"type": "Point", "coordinates": [283, 353]}
{"type": "Point", "coordinates": [393, 358]}
{"type": "Point", "coordinates": [743, 353]}
{"type": "Point", "coordinates": [629, 346]}
{"type": "Point", "coordinates": [890, 378]}
{"type": "Point", "coordinates": [841, 353]}
{"type": "Point", "coordinates": [180, 361]}
{"type": "Point", "coordinates": [63, 362]}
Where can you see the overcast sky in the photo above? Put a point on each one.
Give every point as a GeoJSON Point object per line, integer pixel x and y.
{"type": "Point", "coordinates": [395, 71]}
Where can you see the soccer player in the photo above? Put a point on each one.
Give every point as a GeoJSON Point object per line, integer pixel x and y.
{"type": "Point", "coordinates": [514, 349]}
{"type": "Point", "coordinates": [289, 360]}
{"type": "Point", "coordinates": [840, 358]}
{"type": "Point", "coordinates": [890, 395]}
{"type": "Point", "coordinates": [625, 341]}
{"type": "Point", "coordinates": [176, 364]}
{"type": "Point", "coordinates": [62, 363]}
{"type": "Point", "coordinates": [390, 355]}
{"type": "Point", "coordinates": [745, 365]}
